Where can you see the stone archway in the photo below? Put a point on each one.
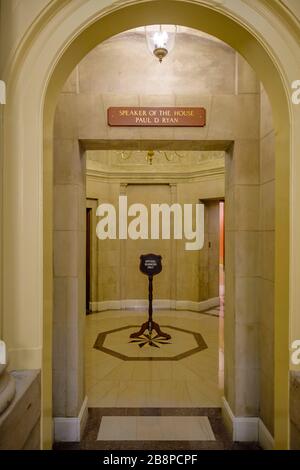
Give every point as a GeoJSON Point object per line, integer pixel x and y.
{"type": "Point", "coordinates": [87, 25]}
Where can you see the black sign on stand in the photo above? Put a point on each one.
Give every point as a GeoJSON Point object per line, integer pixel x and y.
{"type": "Point", "coordinates": [150, 265]}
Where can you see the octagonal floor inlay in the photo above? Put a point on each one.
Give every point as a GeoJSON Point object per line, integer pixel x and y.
{"type": "Point", "coordinates": [117, 343]}
{"type": "Point", "coordinates": [193, 381]}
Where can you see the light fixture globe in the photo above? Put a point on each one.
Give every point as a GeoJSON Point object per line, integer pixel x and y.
{"type": "Point", "coordinates": [160, 39]}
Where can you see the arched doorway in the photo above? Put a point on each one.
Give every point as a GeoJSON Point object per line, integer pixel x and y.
{"type": "Point", "coordinates": [86, 28]}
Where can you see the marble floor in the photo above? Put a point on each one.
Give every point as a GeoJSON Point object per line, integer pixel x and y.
{"type": "Point", "coordinates": [151, 393]}
{"type": "Point", "coordinates": [206, 430]}
{"type": "Point", "coordinates": [155, 428]}
{"type": "Point", "coordinates": [185, 371]}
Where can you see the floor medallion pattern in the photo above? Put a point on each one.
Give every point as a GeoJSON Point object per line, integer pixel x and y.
{"type": "Point", "coordinates": [183, 343]}
{"type": "Point", "coordinates": [119, 373]}
{"type": "Point", "coordinates": [149, 340]}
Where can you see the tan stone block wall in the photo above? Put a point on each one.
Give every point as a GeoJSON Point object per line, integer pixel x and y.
{"type": "Point", "coordinates": [242, 242]}
{"type": "Point", "coordinates": [69, 263]}
{"type": "Point", "coordinates": [267, 254]}
{"type": "Point", "coordinates": [118, 275]}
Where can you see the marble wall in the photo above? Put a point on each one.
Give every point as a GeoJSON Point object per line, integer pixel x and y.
{"type": "Point", "coordinates": [69, 267]}
{"type": "Point", "coordinates": [116, 275]}
{"type": "Point", "coordinates": [249, 287]}
{"type": "Point", "coordinates": [242, 243]}
{"type": "Point", "coordinates": [267, 255]}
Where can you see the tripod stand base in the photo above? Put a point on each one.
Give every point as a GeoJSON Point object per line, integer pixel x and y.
{"type": "Point", "coordinates": [153, 327]}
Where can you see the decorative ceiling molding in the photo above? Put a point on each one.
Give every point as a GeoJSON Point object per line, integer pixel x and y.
{"type": "Point", "coordinates": [159, 177]}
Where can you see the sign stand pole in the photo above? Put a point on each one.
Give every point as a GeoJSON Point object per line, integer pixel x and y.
{"type": "Point", "coordinates": [150, 325]}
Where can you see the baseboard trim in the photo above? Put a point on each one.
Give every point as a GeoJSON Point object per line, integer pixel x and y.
{"type": "Point", "coordinates": [161, 304]}
{"type": "Point", "coordinates": [246, 429]}
{"type": "Point", "coordinates": [197, 306]}
{"type": "Point", "coordinates": [71, 429]}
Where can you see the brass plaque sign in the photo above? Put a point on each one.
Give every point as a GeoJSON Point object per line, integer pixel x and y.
{"type": "Point", "coordinates": [156, 117]}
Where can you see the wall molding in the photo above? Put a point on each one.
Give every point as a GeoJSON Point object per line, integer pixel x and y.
{"type": "Point", "coordinates": [160, 304]}
{"type": "Point", "coordinates": [211, 170]}
{"type": "Point", "coordinates": [71, 429]}
{"type": "Point", "coordinates": [246, 428]}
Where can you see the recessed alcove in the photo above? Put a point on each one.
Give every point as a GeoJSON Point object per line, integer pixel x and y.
{"type": "Point", "coordinates": [228, 159]}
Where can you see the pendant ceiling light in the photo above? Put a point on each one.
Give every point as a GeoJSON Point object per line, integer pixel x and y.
{"type": "Point", "coordinates": [161, 39]}
{"type": "Point", "coordinates": [169, 156]}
